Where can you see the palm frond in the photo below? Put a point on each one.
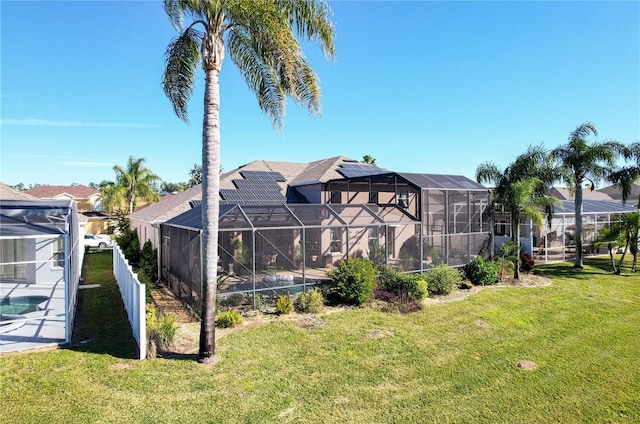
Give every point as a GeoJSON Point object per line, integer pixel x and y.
{"type": "Point", "coordinates": [311, 19]}
{"type": "Point", "coordinates": [182, 58]}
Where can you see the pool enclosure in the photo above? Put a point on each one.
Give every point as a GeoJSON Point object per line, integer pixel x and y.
{"type": "Point", "coordinates": [556, 242]}
{"type": "Point", "coordinates": [40, 261]}
{"type": "Point", "coordinates": [267, 250]}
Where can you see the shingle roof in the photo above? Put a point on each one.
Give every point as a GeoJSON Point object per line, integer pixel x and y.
{"type": "Point", "coordinates": [10, 193]}
{"type": "Point", "coordinates": [169, 206]}
{"type": "Point", "coordinates": [322, 170]}
{"type": "Point", "coordinates": [563, 193]}
{"type": "Point", "coordinates": [51, 192]}
{"type": "Point", "coordinates": [615, 193]}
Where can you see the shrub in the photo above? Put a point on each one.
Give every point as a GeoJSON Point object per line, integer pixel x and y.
{"type": "Point", "coordinates": [395, 303]}
{"type": "Point", "coordinates": [526, 262]}
{"type": "Point", "coordinates": [149, 261]}
{"type": "Point", "coordinates": [283, 304]}
{"type": "Point", "coordinates": [161, 329]}
{"type": "Point", "coordinates": [443, 279]}
{"type": "Point", "coordinates": [355, 278]}
{"type": "Point", "coordinates": [260, 302]}
{"type": "Point", "coordinates": [481, 272]}
{"type": "Point", "coordinates": [406, 286]}
{"type": "Point", "coordinates": [228, 319]}
{"type": "Point", "coordinates": [130, 246]}
{"type": "Point", "coordinates": [310, 302]}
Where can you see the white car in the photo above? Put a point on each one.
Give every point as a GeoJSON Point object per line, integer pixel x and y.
{"type": "Point", "coordinates": [97, 241]}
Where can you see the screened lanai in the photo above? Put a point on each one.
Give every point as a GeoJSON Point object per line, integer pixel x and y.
{"type": "Point", "coordinates": [40, 261]}
{"type": "Point", "coordinates": [556, 242]}
{"type": "Point", "coordinates": [272, 249]}
{"type": "Point", "coordinates": [453, 210]}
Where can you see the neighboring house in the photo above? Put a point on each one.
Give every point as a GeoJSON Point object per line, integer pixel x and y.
{"type": "Point", "coordinates": [298, 219]}
{"type": "Point", "coordinates": [563, 193]}
{"type": "Point", "coordinates": [146, 221]}
{"type": "Point", "coordinates": [88, 202]}
{"type": "Point", "coordinates": [10, 193]}
{"type": "Point", "coordinates": [86, 198]}
{"type": "Point", "coordinates": [40, 263]}
{"type": "Point", "coordinates": [616, 194]}
{"type": "Point", "coordinates": [555, 241]}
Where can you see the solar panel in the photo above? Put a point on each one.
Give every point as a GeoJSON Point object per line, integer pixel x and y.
{"type": "Point", "coordinates": [246, 196]}
{"type": "Point", "coordinates": [351, 170]}
{"type": "Point", "coordinates": [256, 184]}
{"type": "Point", "coordinates": [263, 176]}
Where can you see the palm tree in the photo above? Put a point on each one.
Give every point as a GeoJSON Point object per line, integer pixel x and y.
{"type": "Point", "coordinates": [259, 36]}
{"type": "Point", "coordinates": [195, 176]}
{"type": "Point", "coordinates": [135, 181]}
{"type": "Point", "coordinates": [520, 189]}
{"type": "Point", "coordinates": [611, 236]}
{"type": "Point", "coordinates": [630, 228]}
{"type": "Point", "coordinates": [625, 177]}
{"type": "Point", "coordinates": [369, 159]}
{"type": "Point", "coordinates": [585, 163]}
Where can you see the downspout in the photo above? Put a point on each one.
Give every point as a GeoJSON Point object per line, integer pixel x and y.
{"type": "Point", "coordinates": [67, 291]}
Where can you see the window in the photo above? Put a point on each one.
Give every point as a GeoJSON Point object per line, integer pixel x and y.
{"type": "Point", "coordinates": [373, 197]}
{"type": "Point", "coordinates": [403, 198]}
{"type": "Point", "coordinates": [58, 252]}
{"type": "Point", "coordinates": [11, 251]}
{"type": "Point", "coordinates": [336, 197]}
{"type": "Point", "coordinates": [336, 240]}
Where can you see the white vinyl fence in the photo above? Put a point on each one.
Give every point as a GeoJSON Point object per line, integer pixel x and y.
{"type": "Point", "coordinates": [133, 296]}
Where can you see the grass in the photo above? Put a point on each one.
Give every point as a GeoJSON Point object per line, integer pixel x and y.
{"type": "Point", "coordinates": [453, 362]}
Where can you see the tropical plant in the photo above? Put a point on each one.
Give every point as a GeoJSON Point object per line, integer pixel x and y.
{"type": "Point", "coordinates": [369, 159]}
{"type": "Point", "coordinates": [585, 163]}
{"type": "Point", "coordinates": [612, 237]}
{"type": "Point", "coordinates": [228, 319]}
{"type": "Point", "coordinates": [630, 228]}
{"type": "Point", "coordinates": [284, 304]}
{"type": "Point", "coordinates": [195, 176]}
{"type": "Point", "coordinates": [507, 258]}
{"type": "Point", "coordinates": [625, 176]}
{"type": "Point", "coordinates": [259, 36]}
{"type": "Point", "coordinates": [134, 181]}
{"type": "Point", "coordinates": [521, 190]}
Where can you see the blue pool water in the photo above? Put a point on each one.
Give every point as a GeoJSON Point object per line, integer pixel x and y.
{"type": "Point", "coordinates": [21, 305]}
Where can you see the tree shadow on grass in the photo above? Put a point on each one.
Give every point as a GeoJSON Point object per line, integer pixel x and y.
{"type": "Point", "coordinates": [101, 324]}
{"type": "Point", "coordinates": [592, 267]}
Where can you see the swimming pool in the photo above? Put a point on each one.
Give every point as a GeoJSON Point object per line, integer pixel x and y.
{"type": "Point", "coordinates": [21, 304]}
{"type": "Point", "coordinates": [13, 308]}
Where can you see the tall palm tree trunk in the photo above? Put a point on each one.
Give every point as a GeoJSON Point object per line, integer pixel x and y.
{"type": "Point", "coordinates": [578, 207]}
{"type": "Point", "coordinates": [210, 212]}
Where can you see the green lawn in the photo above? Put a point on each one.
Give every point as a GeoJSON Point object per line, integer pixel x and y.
{"type": "Point", "coordinates": [453, 362]}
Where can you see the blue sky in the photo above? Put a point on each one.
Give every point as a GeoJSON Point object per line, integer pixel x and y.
{"type": "Point", "coordinates": [431, 87]}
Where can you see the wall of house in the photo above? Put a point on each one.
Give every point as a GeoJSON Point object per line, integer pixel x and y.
{"type": "Point", "coordinates": [146, 231]}
{"type": "Point", "coordinates": [47, 270]}
{"type": "Point", "coordinates": [313, 193]}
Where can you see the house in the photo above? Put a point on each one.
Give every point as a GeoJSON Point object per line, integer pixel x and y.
{"type": "Point", "coordinates": [615, 193]}
{"type": "Point", "coordinates": [10, 193]}
{"type": "Point", "coordinates": [40, 262]}
{"type": "Point", "coordinates": [88, 203]}
{"type": "Point", "coordinates": [555, 240]}
{"type": "Point", "coordinates": [146, 221]}
{"type": "Point", "coordinates": [283, 225]}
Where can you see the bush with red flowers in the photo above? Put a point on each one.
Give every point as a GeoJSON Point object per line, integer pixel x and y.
{"type": "Point", "coordinates": [526, 262]}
